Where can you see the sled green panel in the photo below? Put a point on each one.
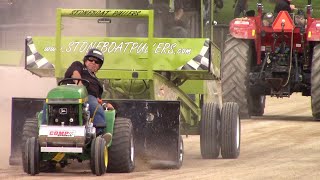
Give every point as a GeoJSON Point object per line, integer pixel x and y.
{"type": "Point", "coordinates": [193, 87]}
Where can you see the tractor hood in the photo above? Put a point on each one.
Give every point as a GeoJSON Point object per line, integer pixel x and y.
{"type": "Point", "coordinates": [67, 94]}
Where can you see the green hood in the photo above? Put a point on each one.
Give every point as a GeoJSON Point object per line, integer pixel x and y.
{"type": "Point", "coordinates": [71, 94]}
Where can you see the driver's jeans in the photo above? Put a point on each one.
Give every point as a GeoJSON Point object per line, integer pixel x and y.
{"type": "Point", "coordinates": [99, 116]}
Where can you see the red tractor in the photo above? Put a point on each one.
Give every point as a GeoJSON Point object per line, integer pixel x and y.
{"type": "Point", "coordinates": [271, 54]}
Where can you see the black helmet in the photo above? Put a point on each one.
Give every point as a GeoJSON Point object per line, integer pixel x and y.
{"type": "Point", "coordinates": [96, 53]}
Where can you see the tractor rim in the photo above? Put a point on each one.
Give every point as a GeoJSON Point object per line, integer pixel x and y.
{"type": "Point", "coordinates": [262, 99]}
{"type": "Point", "coordinates": [131, 149]}
{"type": "Point", "coordinates": [106, 157]}
{"type": "Point", "coordinates": [238, 132]}
{"type": "Point", "coordinates": [181, 151]}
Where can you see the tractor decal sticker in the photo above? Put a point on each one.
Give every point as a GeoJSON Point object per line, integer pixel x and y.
{"type": "Point", "coordinates": [200, 62]}
{"type": "Point", "coordinates": [35, 59]}
{"type": "Point", "coordinates": [61, 133]}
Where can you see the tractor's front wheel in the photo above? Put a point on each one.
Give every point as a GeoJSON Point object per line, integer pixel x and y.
{"type": "Point", "coordinates": [99, 156]}
{"type": "Point", "coordinates": [121, 151]}
{"type": "Point", "coordinates": [30, 129]}
{"type": "Point", "coordinates": [315, 82]}
{"type": "Point", "coordinates": [31, 156]}
{"type": "Point", "coordinates": [230, 131]}
{"type": "Point", "coordinates": [209, 133]}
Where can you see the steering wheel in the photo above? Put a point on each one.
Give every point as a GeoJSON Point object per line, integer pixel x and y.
{"type": "Point", "coordinates": [85, 82]}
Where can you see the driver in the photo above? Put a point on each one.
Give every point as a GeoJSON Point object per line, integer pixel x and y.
{"type": "Point", "coordinates": [240, 6]}
{"type": "Point", "coordinates": [284, 5]}
{"type": "Point", "coordinates": [92, 62]}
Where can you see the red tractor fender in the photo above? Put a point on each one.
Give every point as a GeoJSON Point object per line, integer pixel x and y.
{"type": "Point", "coordinates": [314, 30]}
{"type": "Point", "coordinates": [243, 28]}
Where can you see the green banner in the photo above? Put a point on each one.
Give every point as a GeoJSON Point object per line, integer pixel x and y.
{"type": "Point", "coordinates": [121, 53]}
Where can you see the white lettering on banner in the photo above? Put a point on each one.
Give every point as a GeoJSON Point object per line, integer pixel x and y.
{"type": "Point", "coordinates": [122, 47]}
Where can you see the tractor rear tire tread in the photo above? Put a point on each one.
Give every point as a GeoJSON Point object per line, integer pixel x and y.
{"type": "Point", "coordinates": [315, 83]}
{"type": "Point", "coordinates": [120, 150]}
{"type": "Point", "coordinates": [235, 68]}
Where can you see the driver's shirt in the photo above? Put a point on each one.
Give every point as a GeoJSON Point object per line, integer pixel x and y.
{"type": "Point", "coordinates": [282, 5]}
{"type": "Point", "coordinates": [95, 87]}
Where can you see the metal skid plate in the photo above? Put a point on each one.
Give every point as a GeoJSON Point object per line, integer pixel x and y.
{"type": "Point", "coordinates": [156, 126]}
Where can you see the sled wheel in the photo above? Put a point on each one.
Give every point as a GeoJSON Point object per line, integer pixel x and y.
{"type": "Point", "coordinates": [209, 133]}
{"type": "Point", "coordinates": [180, 157]}
{"type": "Point", "coordinates": [99, 156]}
{"type": "Point", "coordinates": [230, 131]}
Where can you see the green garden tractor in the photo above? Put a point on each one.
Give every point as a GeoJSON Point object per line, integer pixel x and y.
{"type": "Point", "coordinates": [160, 86]}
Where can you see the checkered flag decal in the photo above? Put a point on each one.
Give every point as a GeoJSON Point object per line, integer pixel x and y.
{"type": "Point", "coordinates": [201, 61]}
{"type": "Point", "coordinates": [33, 58]}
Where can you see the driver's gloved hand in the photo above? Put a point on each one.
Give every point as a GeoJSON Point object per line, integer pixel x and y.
{"type": "Point", "coordinates": [99, 101]}
{"type": "Point", "coordinates": [107, 106]}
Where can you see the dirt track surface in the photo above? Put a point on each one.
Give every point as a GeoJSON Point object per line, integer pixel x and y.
{"type": "Point", "coordinates": [284, 144]}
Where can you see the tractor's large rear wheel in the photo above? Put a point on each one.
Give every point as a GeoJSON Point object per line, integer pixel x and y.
{"type": "Point", "coordinates": [121, 151]}
{"type": "Point", "coordinates": [315, 82]}
{"type": "Point", "coordinates": [230, 131]}
{"type": "Point", "coordinates": [235, 69]}
{"type": "Point", "coordinates": [99, 156]}
{"type": "Point", "coordinates": [209, 133]}
{"type": "Point", "coordinates": [32, 156]}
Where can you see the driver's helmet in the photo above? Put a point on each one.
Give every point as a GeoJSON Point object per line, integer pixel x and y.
{"type": "Point", "coordinates": [96, 53]}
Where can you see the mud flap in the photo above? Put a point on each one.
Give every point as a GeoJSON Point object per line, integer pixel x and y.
{"type": "Point", "coordinates": [156, 127]}
{"type": "Point", "coordinates": [22, 108]}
